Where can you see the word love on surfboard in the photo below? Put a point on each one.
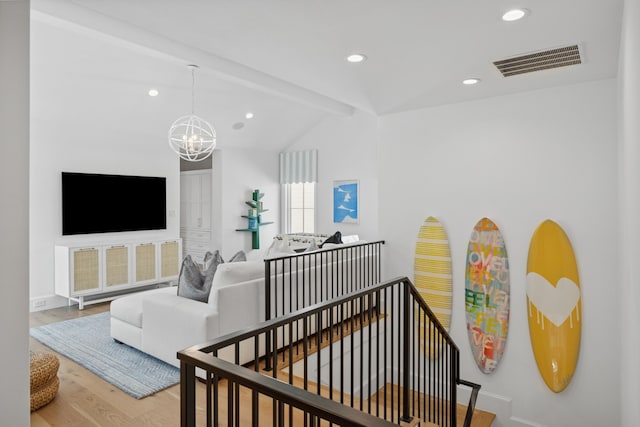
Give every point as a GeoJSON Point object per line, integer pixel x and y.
{"type": "Point", "coordinates": [487, 295]}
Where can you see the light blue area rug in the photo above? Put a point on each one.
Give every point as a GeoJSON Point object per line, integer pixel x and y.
{"type": "Point", "coordinates": [87, 341]}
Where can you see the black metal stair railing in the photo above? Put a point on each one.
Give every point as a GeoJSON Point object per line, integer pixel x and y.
{"type": "Point", "coordinates": [300, 280]}
{"type": "Point", "coordinates": [375, 357]}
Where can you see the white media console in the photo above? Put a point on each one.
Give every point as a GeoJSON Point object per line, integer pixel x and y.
{"type": "Point", "coordinates": [88, 274]}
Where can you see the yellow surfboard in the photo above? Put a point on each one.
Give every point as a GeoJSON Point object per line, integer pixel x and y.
{"type": "Point", "coordinates": [553, 305]}
{"type": "Point", "coordinates": [432, 270]}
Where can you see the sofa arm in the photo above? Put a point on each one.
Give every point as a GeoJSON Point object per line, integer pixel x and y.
{"type": "Point", "coordinates": [241, 305]}
{"type": "Point", "coordinates": [171, 323]}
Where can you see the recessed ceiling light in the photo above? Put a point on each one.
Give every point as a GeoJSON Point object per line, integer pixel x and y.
{"type": "Point", "coordinates": [249, 115]}
{"type": "Point", "coordinates": [356, 57]}
{"type": "Point", "coordinates": [471, 81]}
{"type": "Point", "coordinates": [237, 126]}
{"type": "Point", "coordinates": [153, 92]}
{"type": "Point", "coordinates": [514, 14]}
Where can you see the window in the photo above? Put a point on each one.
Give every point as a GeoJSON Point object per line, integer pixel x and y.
{"type": "Point", "coordinates": [300, 207]}
{"type": "Point", "coordinates": [298, 175]}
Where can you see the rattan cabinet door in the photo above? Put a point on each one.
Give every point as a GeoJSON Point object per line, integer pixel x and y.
{"type": "Point", "coordinates": [145, 263]}
{"type": "Point", "coordinates": [117, 266]}
{"type": "Point", "coordinates": [85, 270]}
{"type": "Point", "coordinates": [169, 259]}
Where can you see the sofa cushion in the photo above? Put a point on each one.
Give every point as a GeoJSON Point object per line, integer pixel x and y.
{"type": "Point", "coordinates": [352, 238]}
{"type": "Point", "coordinates": [128, 308]}
{"type": "Point", "coordinates": [232, 273]}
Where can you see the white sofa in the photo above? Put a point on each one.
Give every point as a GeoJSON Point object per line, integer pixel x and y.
{"type": "Point", "coordinates": [161, 323]}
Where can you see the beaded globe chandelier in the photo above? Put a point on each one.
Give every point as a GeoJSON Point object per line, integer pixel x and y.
{"type": "Point", "coordinates": [192, 138]}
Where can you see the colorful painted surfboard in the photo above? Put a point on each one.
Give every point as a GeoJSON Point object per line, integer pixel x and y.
{"type": "Point", "coordinates": [553, 305]}
{"type": "Point", "coordinates": [432, 272]}
{"type": "Point", "coordinates": [487, 295]}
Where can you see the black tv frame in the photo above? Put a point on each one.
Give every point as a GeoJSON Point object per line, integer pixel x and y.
{"type": "Point", "coordinates": [95, 203]}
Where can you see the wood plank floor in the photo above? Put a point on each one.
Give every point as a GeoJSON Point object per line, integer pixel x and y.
{"type": "Point", "coordinates": [86, 400]}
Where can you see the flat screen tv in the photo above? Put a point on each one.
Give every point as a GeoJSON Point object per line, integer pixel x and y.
{"type": "Point", "coordinates": [97, 203]}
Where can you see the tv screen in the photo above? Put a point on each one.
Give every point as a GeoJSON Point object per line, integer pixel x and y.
{"type": "Point", "coordinates": [96, 203]}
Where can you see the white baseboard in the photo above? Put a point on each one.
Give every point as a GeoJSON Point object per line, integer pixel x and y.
{"type": "Point", "coordinates": [46, 302]}
{"type": "Point", "coordinates": [490, 402]}
{"type": "Point", "coordinates": [498, 405]}
{"type": "Point", "coordinates": [54, 301]}
{"type": "Point", "coordinates": [517, 422]}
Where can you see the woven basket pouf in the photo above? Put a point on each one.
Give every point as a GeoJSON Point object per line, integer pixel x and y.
{"type": "Point", "coordinates": [44, 378]}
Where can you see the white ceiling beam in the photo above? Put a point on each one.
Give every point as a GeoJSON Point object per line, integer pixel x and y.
{"type": "Point", "coordinates": [65, 13]}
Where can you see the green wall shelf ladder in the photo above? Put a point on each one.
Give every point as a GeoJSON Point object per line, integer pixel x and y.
{"type": "Point", "coordinates": [254, 218]}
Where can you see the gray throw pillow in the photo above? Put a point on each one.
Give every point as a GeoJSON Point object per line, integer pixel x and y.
{"type": "Point", "coordinates": [191, 282]}
{"type": "Point", "coordinates": [212, 265]}
{"type": "Point", "coordinates": [206, 261]}
{"type": "Point", "coordinates": [335, 238]}
{"type": "Point", "coordinates": [238, 256]}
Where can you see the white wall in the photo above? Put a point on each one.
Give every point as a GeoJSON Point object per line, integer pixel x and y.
{"type": "Point", "coordinates": [14, 227]}
{"type": "Point", "coordinates": [629, 93]}
{"type": "Point", "coordinates": [346, 150]}
{"type": "Point", "coordinates": [518, 160]}
{"type": "Point", "coordinates": [242, 172]}
{"type": "Point", "coordinates": [55, 149]}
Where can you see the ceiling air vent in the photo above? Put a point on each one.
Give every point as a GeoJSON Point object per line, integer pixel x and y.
{"type": "Point", "coordinates": [544, 60]}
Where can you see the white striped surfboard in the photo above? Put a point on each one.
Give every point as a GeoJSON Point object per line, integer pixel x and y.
{"type": "Point", "coordinates": [432, 271]}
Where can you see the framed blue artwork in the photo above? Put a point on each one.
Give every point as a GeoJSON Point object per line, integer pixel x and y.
{"type": "Point", "coordinates": [345, 202]}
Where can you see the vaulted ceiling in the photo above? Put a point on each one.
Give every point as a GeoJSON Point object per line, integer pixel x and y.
{"type": "Point", "coordinates": [284, 60]}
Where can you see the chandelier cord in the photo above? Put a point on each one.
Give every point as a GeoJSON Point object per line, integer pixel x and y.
{"type": "Point", "coordinates": [193, 89]}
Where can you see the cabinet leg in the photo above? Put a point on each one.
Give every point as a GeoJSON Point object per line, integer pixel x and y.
{"type": "Point", "coordinates": [81, 303]}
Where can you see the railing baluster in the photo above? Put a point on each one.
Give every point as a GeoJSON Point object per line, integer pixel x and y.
{"type": "Point", "coordinates": [425, 356]}
{"type": "Point", "coordinates": [341, 353]}
{"type": "Point", "coordinates": [280, 414]}
{"type": "Point", "coordinates": [187, 394]}
{"type": "Point", "coordinates": [318, 343]}
{"type": "Point", "coordinates": [230, 403]}
{"type": "Point", "coordinates": [361, 310]}
{"type": "Point", "coordinates": [216, 399]}
{"type": "Point", "coordinates": [405, 361]}
{"type": "Point", "coordinates": [369, 355]}
{"type": "Point", "coordinates": [384, 352]}
{"type": "Point", "coordinates": [413, 356]}
{"type": "Point", "coordinates": [352, 342]}
{"type": "Point", "coordinates": [267, 308]}
{"type": "Point", "coordinates": [330, 354]}
{"type": "Point", "coordinates": [377, 353]}
{"type": "Point", "coordinates": [393, 311]}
